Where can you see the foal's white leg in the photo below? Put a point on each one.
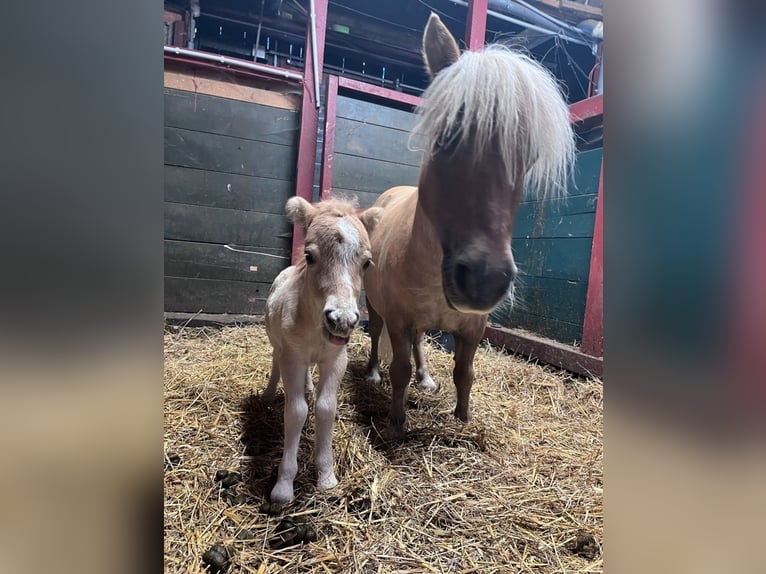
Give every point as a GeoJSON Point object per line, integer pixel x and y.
{"type": "Point", "coordinates": [271, 389]}
{"type": "Point", "coordinates": [330, 374]}
{"type": "Point", "coordinates": [309, 382]}
{"type": "Point", "coordinates": [422, 376]}
{"type": "Point", "coordinates": [294, 379]}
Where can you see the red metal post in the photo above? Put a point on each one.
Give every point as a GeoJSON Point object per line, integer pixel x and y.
{"type": "Point", "coordinates": [378, 91]}
{"type": "Point", "coordinates": [587, 108]}
{"type": "Point", "coordinates": [304, 178]}
{"type": "Point", "coordinates": [328, 147]}
{"type": "Point", "coordinates": [593, 327]}
{"type": "Point", "coordinates": [476, 24]}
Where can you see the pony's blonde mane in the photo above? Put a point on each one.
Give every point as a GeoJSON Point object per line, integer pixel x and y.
{"type": "Point", "coordinates": [501, 97]}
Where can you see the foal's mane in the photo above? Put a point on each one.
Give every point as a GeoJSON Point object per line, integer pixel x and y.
{"type": "Point", "coordinates": [498, 97]}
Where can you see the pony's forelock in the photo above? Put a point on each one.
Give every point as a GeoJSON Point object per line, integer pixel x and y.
{"type": "Point", "coordinates": [501, 97]}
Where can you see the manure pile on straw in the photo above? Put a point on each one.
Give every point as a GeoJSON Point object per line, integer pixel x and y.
{"type": "Point", "coordinates": [518, 489]}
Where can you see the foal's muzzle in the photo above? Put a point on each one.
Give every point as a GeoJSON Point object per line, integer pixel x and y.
{"type": "Point", "coordinates": [476, 285]}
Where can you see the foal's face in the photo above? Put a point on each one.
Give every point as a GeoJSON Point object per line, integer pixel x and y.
{"type": "Point", "coordinates": [473, 211]}
{"type": "Point", "coordinates": [336, 254]}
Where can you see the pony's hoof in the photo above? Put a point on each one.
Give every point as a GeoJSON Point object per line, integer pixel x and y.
{"type": "Point", "coordinates": [327, 481]}
{"type": "Point", "coordinates": [396, 431]}
{"type": "Point", "coordinates": [427, 384]}
{"type": "Point", "coordinates": [463, 415]}
{"type": "Point", "coordinates": [282, 493]}
{"type": "Point", "coordinates": [268, 396]}
{"type": "Point", "coordinates": [373, 377]}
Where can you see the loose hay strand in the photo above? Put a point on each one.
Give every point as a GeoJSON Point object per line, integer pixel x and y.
{"type": "Point", "coordinates": [505, 492]}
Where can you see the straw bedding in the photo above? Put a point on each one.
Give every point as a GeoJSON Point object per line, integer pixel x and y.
{"type": "Point", "coordinates": [518, 489]}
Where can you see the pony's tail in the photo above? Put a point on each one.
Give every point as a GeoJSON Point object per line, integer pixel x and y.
{"type": "Point", "coordinates": [385, 351]}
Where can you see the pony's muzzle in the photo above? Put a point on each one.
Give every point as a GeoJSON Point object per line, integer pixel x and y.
{"type": "Point", "coordinates": [479, 286]}
{"type": "Point", "coordinates": [341, 321]}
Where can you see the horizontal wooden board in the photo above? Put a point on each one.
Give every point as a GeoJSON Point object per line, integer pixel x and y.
{"type": "Point", "coordinates": [215, 261]}
{"type": "Point", "coordinates": [227, 85]}
{"type": "Point", "coordinates": [353, 109]}
{"type": "Point", "coordinates": [226, 226]}
{"type": "Point", "coordinates": [211, 114]}
{"type": "Point", "coordinates": [567, 258]}
{"type": "Point", "coordinates": [371, 175]}
{"type": "Point", "coordinates": [371, 141]}
{"type": "Point", "coordinates": [365, 198]}
{"type": "Point", "coordinates": [562, 331]}
{"type": "Point", "coordinates": [187, 148]}
{"type": "Point", "coordinates": [215, 296]}
{"type": "Point", "coordinates": [226, 190]}
{"type": "Point", "coordinates": [559, 298]}
{"type": "Point", "coordinates": [583, 181]}
{"type": "Point", "coordinates": [530, 224]}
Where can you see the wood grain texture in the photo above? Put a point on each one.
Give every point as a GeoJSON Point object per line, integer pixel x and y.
{"type": "Point", "coordinates": [216, 115]}
{"type": "Point", "coordinates": [375, 142]}
{"type": "Point", "coordinates": [371, 175]}
{"type": "Point", "coordinates": [216, 261]}
{"type": "Point", "coordinates": [214, 152]}
{"type": "Point", "coordinates": [232, 87]}
{"type": "Point", "coordinates": [215, 296]}
{"type": "Point", "coordinates": [375, 114]}
{"type": "Point", "coordinates": [226, 226]}
{"type": "Point", "coordinates": [226, 190]}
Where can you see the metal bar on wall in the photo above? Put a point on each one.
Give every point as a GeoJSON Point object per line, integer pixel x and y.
{"type": "Point", "coordinates": [307, 144]}
{"type": "Point", "coordinates": [476, 24]}
{"type": "Point", "coordinates": [328, 146]}
{"type": "Point", "coordinates": [233, 62]}
{"type": "Point", "coordinates": [593, 325]}
{"type": "Point", "coordinates": [587, 108]}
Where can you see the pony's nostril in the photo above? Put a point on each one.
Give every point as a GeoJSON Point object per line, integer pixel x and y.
{"type": "Point", "coordinates": [462, 276]}
{"type": "Point", "coordinates": [328, 317]}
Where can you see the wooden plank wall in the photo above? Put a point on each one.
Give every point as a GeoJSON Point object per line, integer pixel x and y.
{"type": "Point", "coordinates": [551, 246]}
{"type": "Point", "coordinates": [371, 153]}
{"type": "Point", "coordinates": [229, 169]}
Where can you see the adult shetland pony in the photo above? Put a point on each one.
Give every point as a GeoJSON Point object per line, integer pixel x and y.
{"type": "Point", "coordinates": [493, 124]}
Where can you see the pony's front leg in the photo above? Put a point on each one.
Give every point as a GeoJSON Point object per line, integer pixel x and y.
{"type": "Point", "coordinates": [294, 378]}
{"type": "Point", "coordinates": [330, 374]}
{"type": "Point", "coordinates": [463, 375]}
{"type": "Point", "coordinates": [422, 376]}
{"type": "Point", "coordinates": [375, 327]}
{"type": "Point", "coordinates": [400, 373]}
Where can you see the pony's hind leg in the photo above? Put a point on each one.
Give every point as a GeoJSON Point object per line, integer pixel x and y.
{"type": "Point", "coordinates": [400, 373]}
{"type": "Point", "coordinates": [376, 327]}
{"type": "Point", "coordinates": [463, 375]}
{"type": "Point", "coordinates": [422, 377]}
{"type": "Point", "coordinates": [271, 389]}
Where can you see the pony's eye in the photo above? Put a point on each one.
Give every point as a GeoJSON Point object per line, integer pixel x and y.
{"type": "Point", "coordinates": [366, 264]}
{"type": "Point", "coordinates": [309, 257]}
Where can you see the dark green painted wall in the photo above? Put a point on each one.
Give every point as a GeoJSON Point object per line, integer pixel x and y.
{"type": "Point", "coordinates": [229, 169]}
{"type": "Point", "coordinates": [551, 246]}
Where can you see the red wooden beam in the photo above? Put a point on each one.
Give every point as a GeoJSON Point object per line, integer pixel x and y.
{"type": "Point", "coordinates": [328, 147]}
{"type": "Point", "coordinates": [587, 108]}
{"type": "Point", "coordinates": [378, 91]}
{"type": "Point", "coordinates": [593, 327]}
{"type": "Point", "coordinates": [307, 144]}
{"type": "Point", "coordinates": [476, 24]}
{"type": "Point", "coordinates": [545, 350]}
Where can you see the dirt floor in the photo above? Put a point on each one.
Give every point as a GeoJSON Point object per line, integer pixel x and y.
{"type": "Point", "coordinates": [518, 489]}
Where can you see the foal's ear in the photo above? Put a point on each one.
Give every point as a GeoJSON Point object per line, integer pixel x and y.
{"type": "Point", "coordinates": [300, 212]}
{"type": "Point", "coordinates": [439, 46]}
{"type": "Point", "coordinates": [371, 217]}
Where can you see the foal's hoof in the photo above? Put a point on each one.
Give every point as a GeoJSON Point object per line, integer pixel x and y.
{"type": "Point", "coordinates": [427, 384]}
{"type": "Point", "coordinates": [396, 431]}
{"type": "Point", "coordinates": [327, 481]}
{"type": "Point", "coordinates": [462, 414]}
{"type": "Point", "coordinates": [282, 493]}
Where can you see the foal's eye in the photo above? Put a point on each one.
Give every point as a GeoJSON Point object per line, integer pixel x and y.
{"type": "Point", "coordinates": [366, 264]}
{"type": "Point", "coordinates": [309, 257]}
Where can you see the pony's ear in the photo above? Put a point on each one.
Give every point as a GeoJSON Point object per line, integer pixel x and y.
{"type": "Point", "coordinates": [439, 46]}
{"type": "Point", "coordinates": [300, 212]}
{"type": "Point", "coordinates": [371, 217]}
